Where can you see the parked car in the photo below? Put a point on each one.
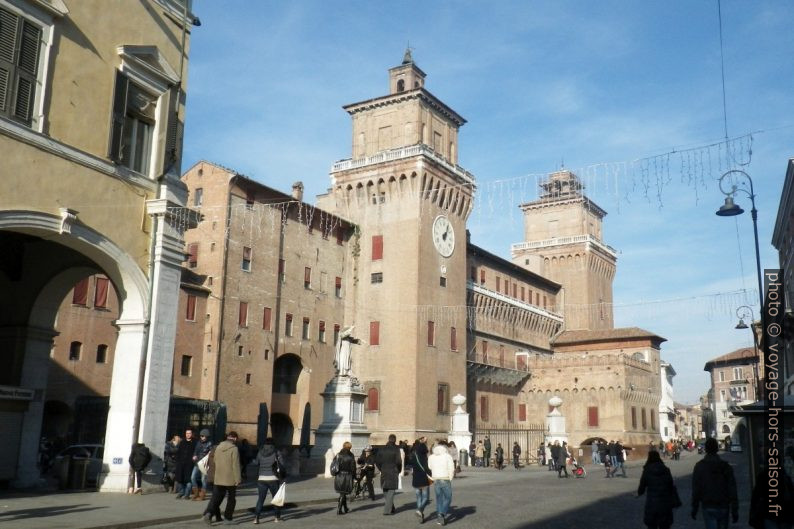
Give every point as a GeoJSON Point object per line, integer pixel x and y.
{"type": "Point", "coordinates": [85, 454]}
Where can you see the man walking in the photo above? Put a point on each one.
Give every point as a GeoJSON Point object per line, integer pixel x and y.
{"type": "Point", "coordinates": [226, 478]}
{"type": "Point", "coordinates": [184, 465]}
{"type": "Point", "coordinates": [442, 469]}
{"type": "Point", "coordinates": [714, 486]}
{"type": "Point", "coordinates": [487, 451]}
{"type": "Point", "coordinates": [389, 463]}
{"type": "Point", "coordinates": [594, 450]}
{"type": "Point", "coordinates": [198, 481]}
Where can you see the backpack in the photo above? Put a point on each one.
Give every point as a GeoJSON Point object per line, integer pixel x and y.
{"type": "Point", "coordinates": [334, 470]}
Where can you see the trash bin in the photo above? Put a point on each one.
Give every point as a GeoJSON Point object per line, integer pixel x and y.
{"type": "Point", "coordinates": [61, 471]}
{"type": "Point", "coordinates": [77, 473]}
{"type": "Point", "coordinates": [464, 458]}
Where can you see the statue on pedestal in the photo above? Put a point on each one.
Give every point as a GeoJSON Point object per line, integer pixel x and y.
{"type": "Point", "coordinates": [343, 358]}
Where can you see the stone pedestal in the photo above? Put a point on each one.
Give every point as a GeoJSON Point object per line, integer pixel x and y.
{"type": "Point", "coordinates": [459, 433]}
{"type": "Point", "coordinates": [555, 422]}
{"type": "Point", "coordinates": [343, 420]}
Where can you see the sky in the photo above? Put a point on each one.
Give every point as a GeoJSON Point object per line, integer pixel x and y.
{"type": "Point", "coordinates": [628, 95]}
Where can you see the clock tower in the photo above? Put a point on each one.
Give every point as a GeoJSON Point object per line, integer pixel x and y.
{"type": "Point", "coordinates": [406, 291]}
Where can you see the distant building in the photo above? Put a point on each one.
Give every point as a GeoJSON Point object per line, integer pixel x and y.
{"type": "Point", "coordinates": [783, 240]}
{"type": "Point", "coordinates": [667, 411]}
{"type": "Point", "coordinates": [733, 382]}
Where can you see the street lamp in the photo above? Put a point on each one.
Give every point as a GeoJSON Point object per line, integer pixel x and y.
{"type": "Point", "coordinates": [742, 312]}
{"type": "Point", "coordinates": [731, 209]}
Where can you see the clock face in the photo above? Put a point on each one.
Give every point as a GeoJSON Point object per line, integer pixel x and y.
{"type": "Point", "coordinates": [443, 236]}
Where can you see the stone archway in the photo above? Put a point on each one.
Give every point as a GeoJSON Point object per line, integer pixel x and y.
{"type": "Point", "coordinates": [282, 429]}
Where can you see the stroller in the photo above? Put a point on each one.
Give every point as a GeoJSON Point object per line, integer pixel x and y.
{"type": "Point", "coordinates": [577, 469]}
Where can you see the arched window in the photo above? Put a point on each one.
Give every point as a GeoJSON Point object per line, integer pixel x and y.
{"type": "Point", "coordinates": [286, 371]}
{"type": "Point", "coordinates": [373, 399]}
{"type": "Point", "coordinates": [400, 85]}
{"type": "Point", "coordinates": [75, 348]}
{"type": "Point", "coordinates": [726, 428]}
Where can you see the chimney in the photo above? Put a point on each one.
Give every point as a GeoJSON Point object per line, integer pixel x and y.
{"type": "Point", "coordinates": [297, 191]}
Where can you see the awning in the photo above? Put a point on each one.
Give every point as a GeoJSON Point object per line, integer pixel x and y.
{"type": "Point", "coordinates": [502, 376]}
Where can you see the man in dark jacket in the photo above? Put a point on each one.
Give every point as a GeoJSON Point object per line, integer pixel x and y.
{"type": "Point", "coordinates": [390, 465]}
{"type": "Point", "coordinates": [367, 464]}
{"type": "Point", "coordinates": [714, 486]}
{"type": "Point", "coordinates": [516, 455]}
{"type": "Point", "coordinates": [198, 481]}
{"type": "Point", "coordinates": [184, 464]}
{"type": "Point", "coordinates": [555, 454]}
{"type": "Point", "coordinates": [487, 451]}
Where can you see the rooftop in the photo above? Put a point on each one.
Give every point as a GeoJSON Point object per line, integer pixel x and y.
{"type": "Point", "coordinates": [605, 335]}
{"type": "Point", "coordinates": [744, 355]}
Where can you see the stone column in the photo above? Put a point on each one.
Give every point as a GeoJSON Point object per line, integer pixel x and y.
{"type": "Point", "coordinates": [555, 422]}
{"type": "Point", "coordinates": [38, 344]}
{"type": "Point", "coordinates": [460, 433]}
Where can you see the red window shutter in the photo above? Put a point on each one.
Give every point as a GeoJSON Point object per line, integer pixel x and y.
{"type": "Point", "coordinates": [80, 294]}
{"type": "Point", "coordinates": [515, 289]}
{"type": "Point", "coordinates": [101, 293]}
{"type": "Point", "coordinates": [338, 283]}
{"type": "Point", "coordinates": [510, 411]}
{"type": "Point", "coordinates": [373, 403]}
{"type": "Point", "coordinates": [266, 317]}
{"type": "Point", "coordinates": [522, 412]}
{"type": "Point", "coordinates": [431, 333]}
{"type": "Point", "coordinates": [322, 326]}
{"type": "Point", "coordinates": [522, 363]}
{"type": "Point", "coordinates": [482, 277]}
{"type": "Point", "coordinates": [242, 320]}
{"type": "Point", "coordinates": [592, 416]}
{"type": "Point", "coordinates": [192, 251]}
{"type": "Point", "coordinates": [374, 333]}
{"type": "Point", "coordinates": [498, 283]}
{"type": "Point", "coordinates": [377, 247]}
{"type": "Point", "coordinates": [307, 275]}
{"type": "Point", "coordinates": [190, 310]}
{"type": "Point", "coordinates": [453, 339]}
{"type": "Point", "coordinates": [484, 408]}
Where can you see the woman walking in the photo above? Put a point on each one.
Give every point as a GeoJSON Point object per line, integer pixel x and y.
{"type": "Point", "coordinates": [420, 480]}
{"type": "Point", "coordinates": [343, 481]}
{"type": "Point", "coordinates": [662, 496]}
{"type": "Point", "coordinates": [267, 458]}
{"type": "Point", "coordinates": [140, 456]}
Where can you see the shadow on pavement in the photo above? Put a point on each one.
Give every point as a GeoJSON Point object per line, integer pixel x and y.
{"type": "Point", "coordinates": [43, 512]}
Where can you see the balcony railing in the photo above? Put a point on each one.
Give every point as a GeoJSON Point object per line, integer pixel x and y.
{"type": "Point", "coordinates": [474, 287]}
{"type": "Point", "coordinates": [561, 241]}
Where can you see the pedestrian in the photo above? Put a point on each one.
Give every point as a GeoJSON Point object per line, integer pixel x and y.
{"type": "Point", "coordinates": [169, 463]}
{"type": "Point", "coordinates": [562, 460]}
{"type": "Point", "coordinates": [500, 456]}
{"type": "Point", "coordinates": [343, 480]}
{"type": "Point", "coordinates": [367, 464]}
{"type": "Point", "coordinates": [184, 465]}
{"type": "Point", "coordinates": [714, 487]}
{"type": "Point", "coordinates": [390, 465]}
{"type": "Point", "coordinates": [516, 455]}
{"type": "Point", "coordinates": [661, 497]}
{"type": "Point", "coordinates": [782, 517]}
{"type": "Point", "coordinates": [420, 480]}
{"type": "Point", "coordinates": [453, 451]}
{"type": "Point", "coordinates": [479, 455]}
{"type": "Point", "coordinates": [555, 455]}
{"type": "Point", "coordinates": [226, 478]}
{"type": "Point", "coordinates": [267, 480]}
{"type": "Point", "coordinates": [594, 452]}
{"type": "Point", "coordinates": [487, 447]}
{"type": "Point", "coordinates": [549, 454]}
{"type": "Point", "coordinates": [140, 456]}
{"type": "Point", "coordinates": [612, 451]}
{"type": "Point", "coordinates": [442, 469]}
{"type": "Point", "coordinates": [541, 455]}
{"type": "Point", "coordinates": [472, 451]}
{"type": "Point", "coordinates": [620, 459]}
{"type": "Point", "coordinates": [608, 466]}
{"type": "Point", "coordinates": [198, 480]}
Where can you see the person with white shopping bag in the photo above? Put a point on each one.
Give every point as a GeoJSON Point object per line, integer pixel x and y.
{"type": "Point", "coordinates": [272, 472]}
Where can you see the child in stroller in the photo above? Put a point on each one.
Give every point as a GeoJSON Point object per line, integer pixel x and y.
{"type": "Point", "coordinates": [578, 470]}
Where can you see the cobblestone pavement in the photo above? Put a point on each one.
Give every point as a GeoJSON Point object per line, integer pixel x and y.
{"type": "Point", "coordinates": [531, 498]}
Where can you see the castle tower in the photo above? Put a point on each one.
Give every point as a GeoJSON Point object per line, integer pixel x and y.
{"type": "Point", "coordinates": [406, 290]}
{"type": "Point", "coordinates": [563, 242]}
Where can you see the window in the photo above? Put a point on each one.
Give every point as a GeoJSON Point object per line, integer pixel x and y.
{"type": "Point", "coordinates": [186, 369]}
{"type": "Point", "coordinates": [510, 411]}
{"type": "Point", "coordinates": [374, 333]}
{"type": "Point", "coordinates": [521, 362]}
{"type": "Point", "coordinates": [544, 302]}
{"type": "Point", "coordinates": [321, 332]}
{"type": "Point", "coordinates": [248, 379]}
{"type": "Point", "coordinates": [267, 354]}
{"type": "Point", "coordinates": [246, 265]}
{"type": "Point", "coordinates": [484, 348]}
{"type": "Point", "coordinates": [267, 316]}
{"type": "Point", "coordinates": [431, 333]}
{"type": "Point", "coordinates": [722, 395]}
{"type": "Point", "coordinates": [336, 333]}
{"type": "Point", "coordinates": [633, 418]}
{"type": "Point", "coordinates": [198, 197]}
{"type": "Point", "coordinates": [501, 355]}
{"type": "Point", "coordinates": [482, 277]}
{"type": "Point", "coordinates": [522, 294]}
{"type": "Point", "coordinates": [537, 298]}
{"type": "Point", "coordinates": [484, 408]}
{"type": "Point", "coordinates": [20, 47]}
{"type": "Point", "coordinates": [101, 354]}
{"type": "Point", "coordinates": [592, 416]}
{"type": "Point", "coordinates": [376, 278]}
{"type": "Point", "coordinates": [192, 255]}
{"type": "Point", "coordinates": [443, 398]}
{"type": "Point", "coordinates": [305, 329]}
{"type": "Point", "coordinates": [515, 290]}
{"type": "Point", "coordinates": [507, 287]}
{"type": "Point", "coordinates": [644, 419]}
{"type": "Point", "coordinates": [338, 287]}
{"type": "Point", "coordinates": [249, 200]}
{"type": "Point", "coordinates": [307, 278]}
{"type": "Point", "coordinates": [722, 375]}
{"type": "Point", "coordinates": [242, 315]}
{"type": "Point", "coordinates": [373, 399]}
{"type": "Point", "coordinates": [340, 235]}
{"type": "Point", "coordinates": [442, 281]}
{"type": "Point", "coordinates": [323, 282]}
{"type": "Point", "coordinates": [473, 274]}
{"type": "Point", "coordinates": [653, 422]}
{"type": "Point", "coordinates": [453, 339]}
{"type": "Point", "coordinates": [190, 308]}
{"type": "Point", "coordinates": [522, 412]}
{"type": "Point", "coordinates": [101, 293]}
{"type": "Point", "coordinates": [377, 247]}
{"type": "Point", "coordinates": [134, 121]}
{"type": "Point", "coordinates": [498, 283]}
{"type": "Point", "coordinates": [281, 275]}
{"type": "Point", "coordinates": [80, 293]}
{"type": "Point", "coordinates": [288, 325]}
{"type": "Point", "coordinates": [239, 350]}
{"type": "Point", "coordinates": [737, 373]}
{"type": "Point", "coordinates": [75, 348]}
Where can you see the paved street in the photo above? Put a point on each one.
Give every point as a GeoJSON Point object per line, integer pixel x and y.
{"type": "Point", "coordinates": [529, 499]}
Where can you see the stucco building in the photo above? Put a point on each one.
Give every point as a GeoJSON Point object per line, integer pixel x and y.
{"type": "Point", "coordinates": [667, 410]}
{"type": "Point", "coordinates": [783, 241]}
{"type": "Point", "coordinates": [733, 382]}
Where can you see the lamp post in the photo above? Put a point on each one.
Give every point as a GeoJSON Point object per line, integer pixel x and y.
{"type": "Point", "coordinates": [730, 209]}
{"type": "Point", "coordinates": [743, 312]}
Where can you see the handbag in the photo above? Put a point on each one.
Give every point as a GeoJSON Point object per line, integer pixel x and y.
{"type": "Point", "coordinates": [278, 469]}
{"type": "Point", "coordinates": [334, 470]}
{"type": "Point", "coordinates": [280, 497]}
{"type": "Point", "coordinates": [204, 464]}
